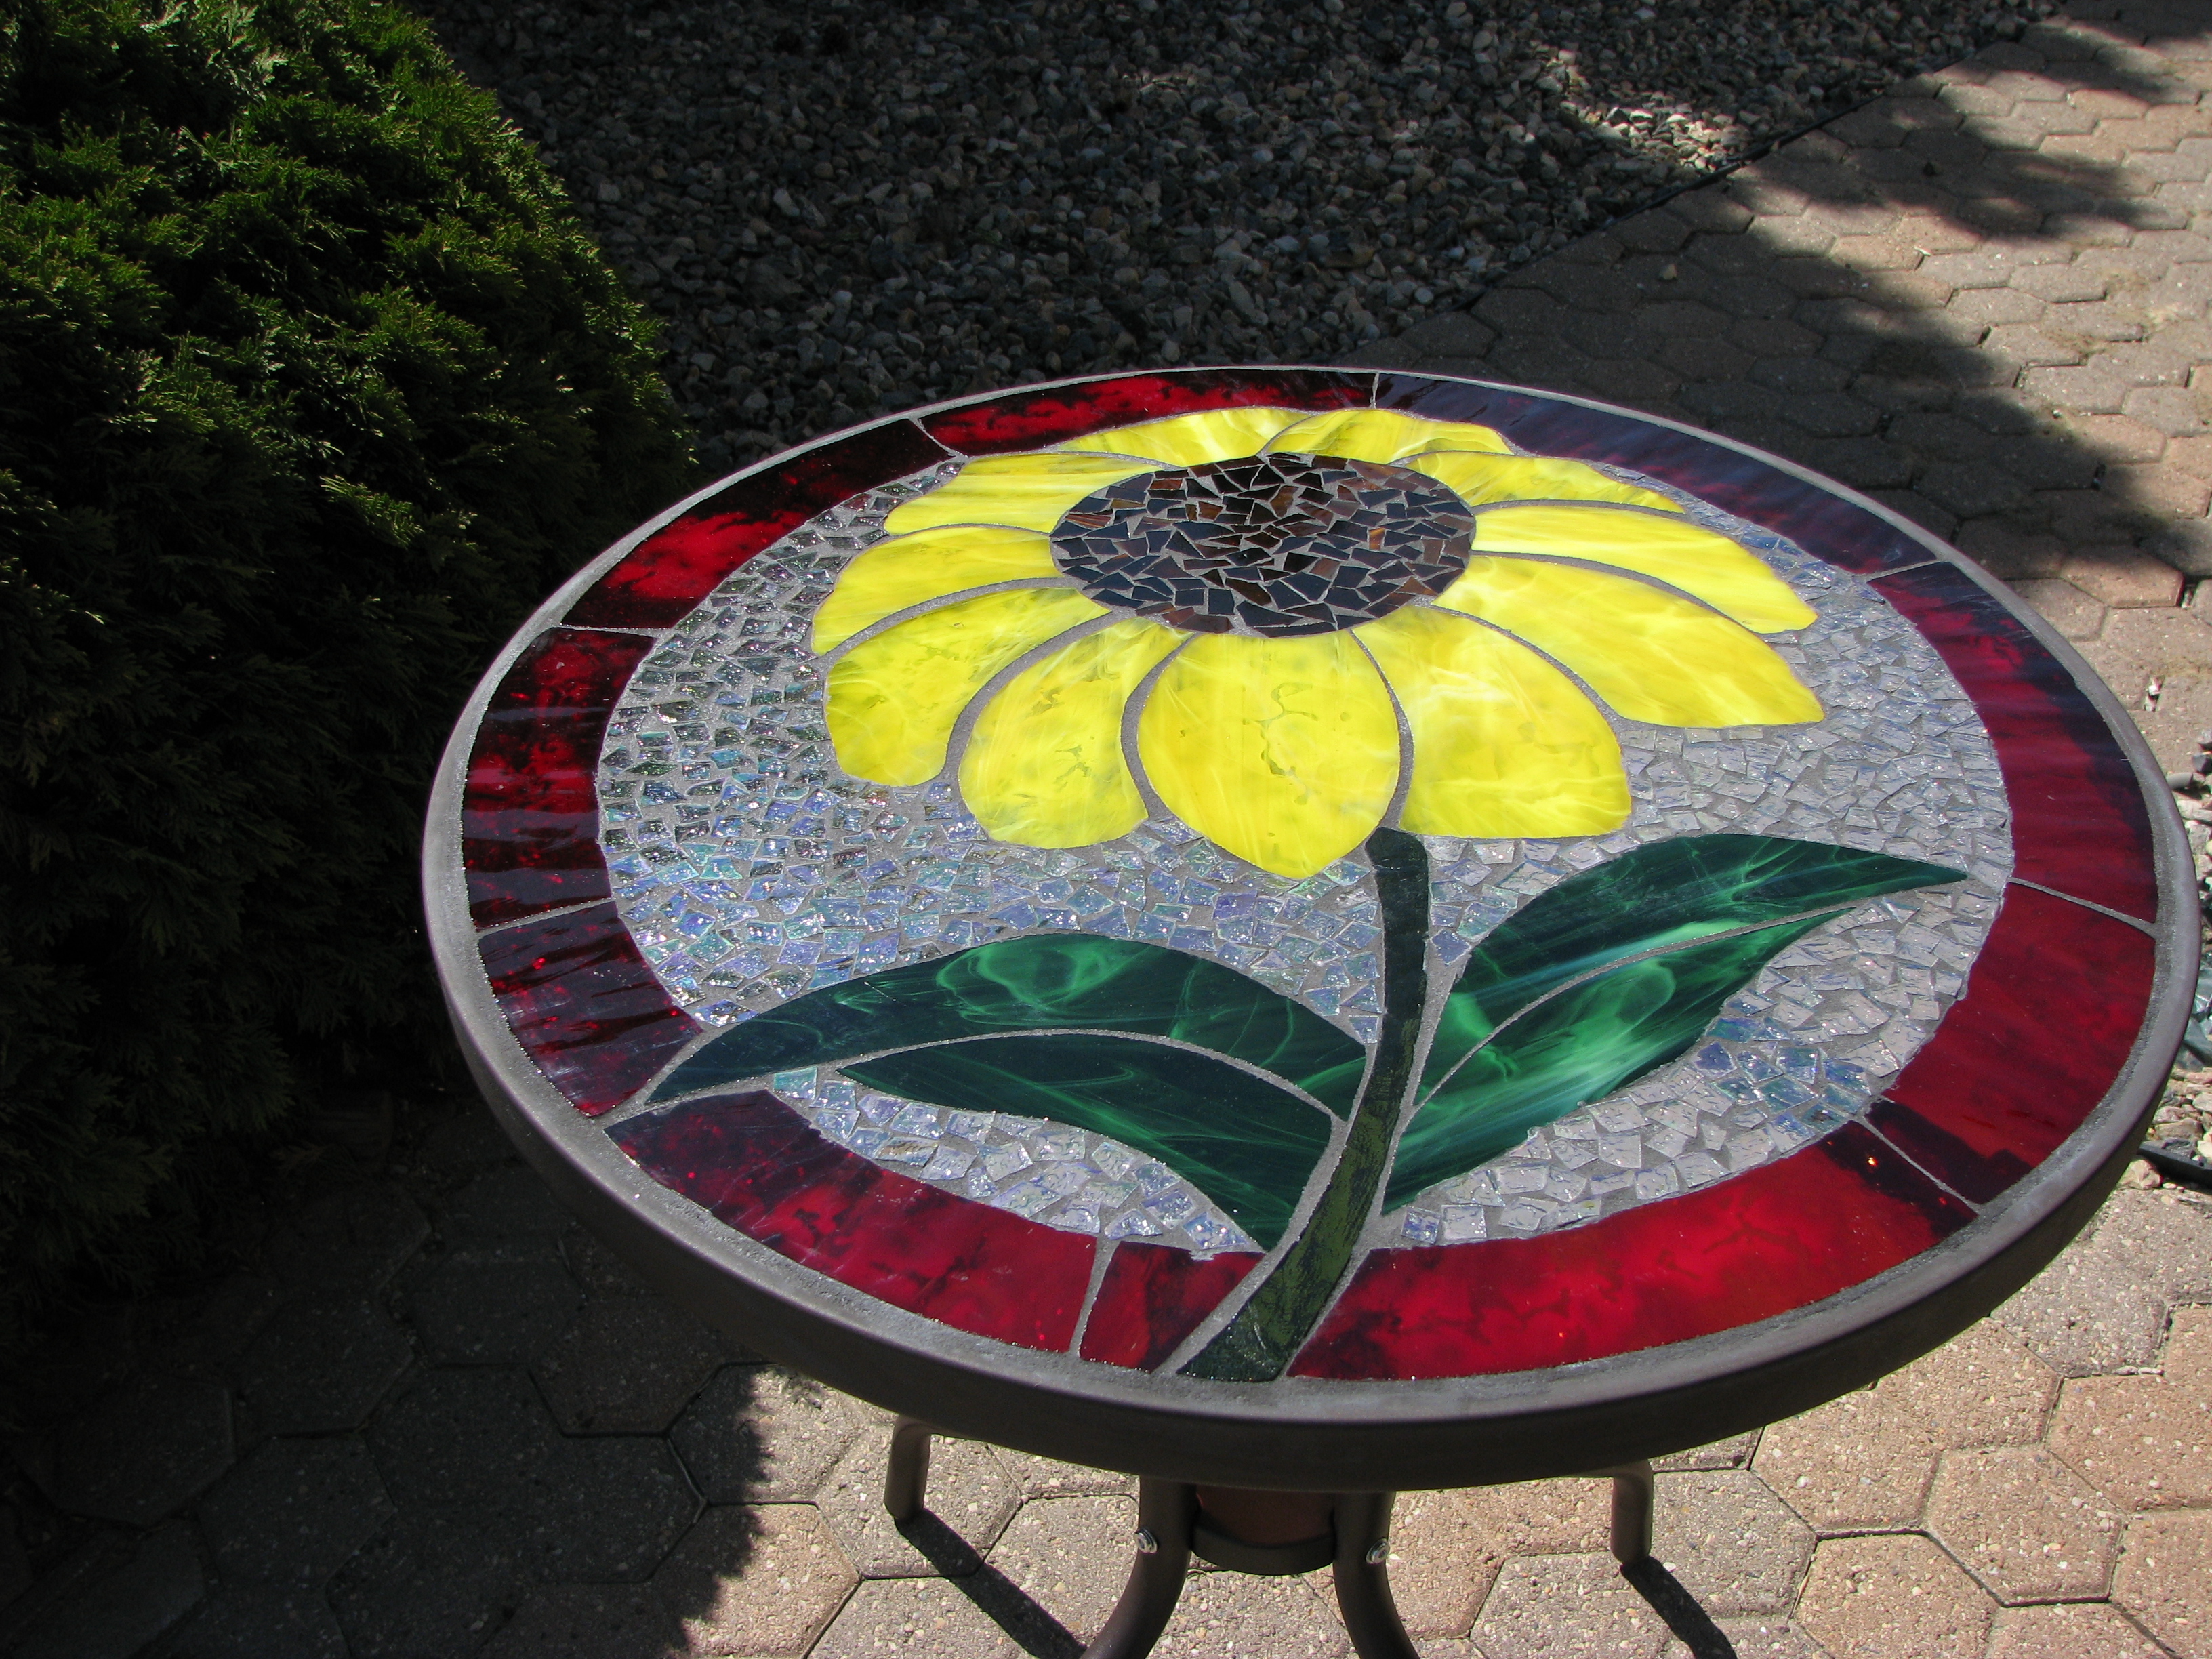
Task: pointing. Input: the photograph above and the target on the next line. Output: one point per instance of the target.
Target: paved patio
(445, 1422)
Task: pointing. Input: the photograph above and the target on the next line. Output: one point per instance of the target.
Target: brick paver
(445, 1421)
(1982, 299)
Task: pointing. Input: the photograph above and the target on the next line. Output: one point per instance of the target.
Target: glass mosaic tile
(1225, 835)
(786, 847)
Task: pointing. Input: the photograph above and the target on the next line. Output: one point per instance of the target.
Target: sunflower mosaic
(1289, 630)
(1279, 835)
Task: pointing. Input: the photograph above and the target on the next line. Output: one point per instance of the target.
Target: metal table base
(1273, 1533)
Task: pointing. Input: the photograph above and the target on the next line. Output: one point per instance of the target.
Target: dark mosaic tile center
(1279, 544)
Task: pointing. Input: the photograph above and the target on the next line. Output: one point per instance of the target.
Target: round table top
(1314, 928)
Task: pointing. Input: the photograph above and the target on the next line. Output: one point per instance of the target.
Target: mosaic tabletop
(1280, 882)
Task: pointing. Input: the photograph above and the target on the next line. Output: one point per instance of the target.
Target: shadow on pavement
(996, 1595)
(1981, 300)
(1691, 1624)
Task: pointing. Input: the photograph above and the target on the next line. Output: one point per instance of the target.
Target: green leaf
(1613, 973)
(1656, 898)
(1043, 981)
(1245, 1144)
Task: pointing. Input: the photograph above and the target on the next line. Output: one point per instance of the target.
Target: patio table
(1309, 932)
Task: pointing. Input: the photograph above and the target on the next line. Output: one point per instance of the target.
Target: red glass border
(679, 564)
(1749, 1248)
(2080, 823)
(1029, 420)
(1153, 1297)
(530, 811)
(581, 1001)
(2048, 1017)
(765, 1171)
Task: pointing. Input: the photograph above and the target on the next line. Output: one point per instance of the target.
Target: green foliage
(310, 386)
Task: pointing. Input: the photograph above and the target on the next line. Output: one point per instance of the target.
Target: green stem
(1273, 1324)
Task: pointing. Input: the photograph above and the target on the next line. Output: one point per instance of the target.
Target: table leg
(1362, 1571)
(906, 1480)
(1166, 1510)
(1635, 1489)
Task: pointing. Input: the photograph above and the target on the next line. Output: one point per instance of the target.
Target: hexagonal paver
(2025, 1525)
(598, 1269)
(587, 1621)
(2083, 1629)
(1232, 1615)
(1071, 1556)
(2124, 578)
(251, 1621)
(1757, 1639)
(1730, 1454)
(757, 1434)
(627, 1364)
(502, 1305)
(2101, 1305)
(153, 1585)
(293, 1511)
(2164, 1580)
(468, 1438)
(2073, 612)
(606, 1508)
(1047, 1477)
(218, 1329)
(433, 1582)
(349, 1241)
(970, 1493)
(756, 1579)
(914, 1619)
(1566, 1606)
(320, 1365)
(2146, 1442)
(1983, 1388)
(143, 1452)
(506, 1203)
(1445, 1555)
(1860, 1461)
(1881, 1598)
(1731, 1542)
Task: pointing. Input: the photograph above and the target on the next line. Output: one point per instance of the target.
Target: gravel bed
(845, 208)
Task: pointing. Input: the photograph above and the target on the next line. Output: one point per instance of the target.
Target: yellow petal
(1676, 551)
(1044, 766)
(1024, 492)
(1380, 434)
(1216, 434)
(1284, 751)
(1479, 478)
(894, 700)
(908, 570)
(1504, 743)
(1653, 655)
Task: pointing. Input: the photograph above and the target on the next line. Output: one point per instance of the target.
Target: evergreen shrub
(311, 386)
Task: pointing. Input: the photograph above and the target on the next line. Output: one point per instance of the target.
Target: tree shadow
(865, 208)
(1981, 300)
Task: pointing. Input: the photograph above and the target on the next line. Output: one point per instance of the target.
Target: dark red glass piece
(764, 1170)
(1818, 521)
(2080, 824)
(1029, 420)
(1153, 1297)
(529, 809)
(679, 564)
(2051, 1012)
(1759, 1244)
(584, 1006)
